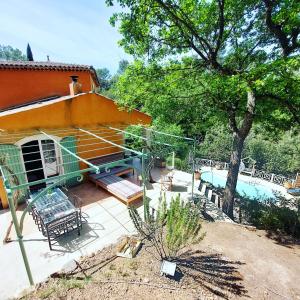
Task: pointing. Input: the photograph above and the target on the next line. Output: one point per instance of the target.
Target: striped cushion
(120, 186)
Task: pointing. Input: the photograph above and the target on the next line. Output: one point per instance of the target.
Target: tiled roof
(48, 65)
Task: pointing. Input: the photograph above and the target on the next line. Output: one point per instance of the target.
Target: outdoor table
(56, 214)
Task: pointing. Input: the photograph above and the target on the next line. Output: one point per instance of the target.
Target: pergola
(90, 141)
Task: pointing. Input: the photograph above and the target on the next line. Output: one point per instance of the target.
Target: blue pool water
(249, 189)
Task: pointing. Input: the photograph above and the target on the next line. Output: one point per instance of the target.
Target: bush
(217, 144)
(169, 229)
(180, 164)
(271, 216)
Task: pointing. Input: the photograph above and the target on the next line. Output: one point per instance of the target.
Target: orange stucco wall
(22, 86)
(81, 110)
(85, 111)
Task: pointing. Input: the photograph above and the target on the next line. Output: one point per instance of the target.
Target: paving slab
(106, 221)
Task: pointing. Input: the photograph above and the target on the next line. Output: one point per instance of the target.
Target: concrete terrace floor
(107, 220)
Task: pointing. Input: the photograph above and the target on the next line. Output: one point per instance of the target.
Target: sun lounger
(166, 183)
(119, 187)
(297, 182)
(295, 189)
(209, 195)
(203, 190)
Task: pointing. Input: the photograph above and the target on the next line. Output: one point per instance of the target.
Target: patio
(106, 219)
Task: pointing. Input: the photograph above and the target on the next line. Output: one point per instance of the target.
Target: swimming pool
(248, 188)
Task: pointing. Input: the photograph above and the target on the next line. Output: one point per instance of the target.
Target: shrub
(169, 229)
(180, 164)
(217, 144)
(270, 216)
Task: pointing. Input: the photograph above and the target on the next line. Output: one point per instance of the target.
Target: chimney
(75, 86)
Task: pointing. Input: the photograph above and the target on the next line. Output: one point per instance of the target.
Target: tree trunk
(232, 176)
(239, 136)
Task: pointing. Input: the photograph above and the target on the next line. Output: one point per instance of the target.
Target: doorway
(40, 158)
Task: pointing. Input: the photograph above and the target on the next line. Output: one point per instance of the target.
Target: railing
(275, 178)
(199, 162)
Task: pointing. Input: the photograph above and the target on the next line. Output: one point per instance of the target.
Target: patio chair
(166, 183)
(35, 216)
(77, 202)
(60, 227)
(203, 190)
(209, 195)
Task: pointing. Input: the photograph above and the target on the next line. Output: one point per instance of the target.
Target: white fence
(199, 162)
(278, 179)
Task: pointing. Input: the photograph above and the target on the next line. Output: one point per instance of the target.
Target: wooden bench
(119, 187)
(109, 179)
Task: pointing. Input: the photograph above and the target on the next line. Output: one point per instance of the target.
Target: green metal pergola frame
(57, 180)
(60, 178)
(190, 140)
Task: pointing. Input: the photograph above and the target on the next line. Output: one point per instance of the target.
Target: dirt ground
(232, 262)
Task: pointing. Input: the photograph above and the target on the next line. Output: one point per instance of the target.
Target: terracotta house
(41, 104)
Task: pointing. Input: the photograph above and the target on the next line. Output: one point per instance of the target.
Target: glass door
(49, 154)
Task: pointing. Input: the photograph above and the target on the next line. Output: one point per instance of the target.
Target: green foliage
(242, 65)
(10, 53)
(107, 81)
(182, 226)
(169, 229)
(169, 94)
(29, 53)
(123, 64)
(132, 137)
(217, 144)
(278, 153)
(159, 145)
(104, 78)
(272, 216)
(231, 54)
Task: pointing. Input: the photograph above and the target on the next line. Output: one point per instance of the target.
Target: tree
(10, 53)
(104, 77)
(123, 64)
(107, 80)
(29, 53)
(240, 52)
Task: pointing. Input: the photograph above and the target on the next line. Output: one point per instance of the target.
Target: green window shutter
(70, 163)
(11, 157)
